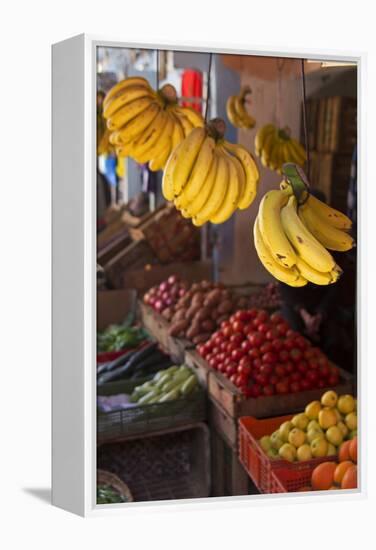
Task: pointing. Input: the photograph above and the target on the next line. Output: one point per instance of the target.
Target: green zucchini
(188, 385)
(147, 398)
(170, 396)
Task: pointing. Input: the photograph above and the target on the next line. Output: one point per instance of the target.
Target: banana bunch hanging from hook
(275, 147)
(145, 124)
(236, 109)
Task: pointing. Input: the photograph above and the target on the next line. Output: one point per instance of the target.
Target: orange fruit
(353, 449)
(344, 451)
(350, 479)
(323, 476)
(341, 470)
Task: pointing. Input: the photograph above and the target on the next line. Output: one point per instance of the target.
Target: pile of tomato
(262, 355)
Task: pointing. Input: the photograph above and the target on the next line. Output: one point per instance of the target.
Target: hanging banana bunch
(236, 111)
(208, 178)
(276, 147)
(146, 124)
(294, 232)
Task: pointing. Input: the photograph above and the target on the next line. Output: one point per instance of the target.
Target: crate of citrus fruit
(292, 446)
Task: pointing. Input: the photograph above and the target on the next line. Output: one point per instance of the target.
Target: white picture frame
(74, 273)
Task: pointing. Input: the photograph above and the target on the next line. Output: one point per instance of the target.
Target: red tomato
(227, 331)
(277, 344)
(289, 343)
(276, 318)
(256, 339)
(267, 370)
(237, 338)
(262, 315)
(333, 380)
(312, 376)
(257, 363)
(213, 362)
(264, 328)
(241, 380)
(231, 347)
(313, 364)
(248, 329)
(273, 379)
(290, 367)
(324, 371)
(242, 315)
(268, 389)
(233, 378)
(266, 347)
(245, 369)
(301, 342)
(225, 324)
(231, 369)
(272, 334)
(237, 354)
(246, 391)
(309, 354)
(296, 355)
(302, 366)
(280, 370)
(223, 346)
(283, 356)
(321, 384)
(295, 387)
(245, 361)
(269, 357)
(227, 359)
(222, 367)
(255, 390)
(262, 379)
(254, 353)
(252, 313)
(216, 350)
(282, 387)
(282, 328)
(305, 384)
(217, 341)
(246, 346)
(292, 333)
(201, 349)
(237, 326)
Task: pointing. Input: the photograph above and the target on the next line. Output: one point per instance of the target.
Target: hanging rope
(280, 64)
(157, 70)
(305, 116)
(208, 88)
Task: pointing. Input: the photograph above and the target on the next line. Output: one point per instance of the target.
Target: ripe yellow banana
(198, 202)
(333, 217)
(289, 276)
(299, 149)
(231, 113)
(308, 248)
(272, 230)
(185, 123)
(163, 144)
(149, 138)
(194, 117)
(267, 147)
(293, 153)
(159, 161)
(125, 99)
(199, 172)
(239, 170)
(177, 132)
(312, 275)
(261, 135)
(123, 85)
(184, 157)
(119, 119)
(251, 173)
(138, 124)
(230, 201)
(329, 236)
(219, 191)
(247, 120)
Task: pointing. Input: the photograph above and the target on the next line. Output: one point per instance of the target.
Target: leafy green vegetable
(118, 337)
(108, 495)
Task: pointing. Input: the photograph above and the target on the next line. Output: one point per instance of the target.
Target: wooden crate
(113, 247)
(135, 255)
(201, 367)
(235, 404)
(224, 424)
(158, 327)
(229, 478)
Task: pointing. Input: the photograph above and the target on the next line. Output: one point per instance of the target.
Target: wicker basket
(107, 478)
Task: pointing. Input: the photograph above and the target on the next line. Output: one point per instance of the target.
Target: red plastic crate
(262, 469)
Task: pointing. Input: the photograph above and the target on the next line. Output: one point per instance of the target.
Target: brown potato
(178, 327)
(225, 307)
(208, 325)
(192, 311)
(200, 338)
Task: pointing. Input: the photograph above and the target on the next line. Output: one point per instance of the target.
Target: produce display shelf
(222, 391)
(149, 418)
(158, 328)
(171, 464)
(262, 469)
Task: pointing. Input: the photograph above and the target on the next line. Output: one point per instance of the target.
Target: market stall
(226, 341)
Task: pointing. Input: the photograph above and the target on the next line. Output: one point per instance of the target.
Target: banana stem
(216, 128)
(296, 178)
